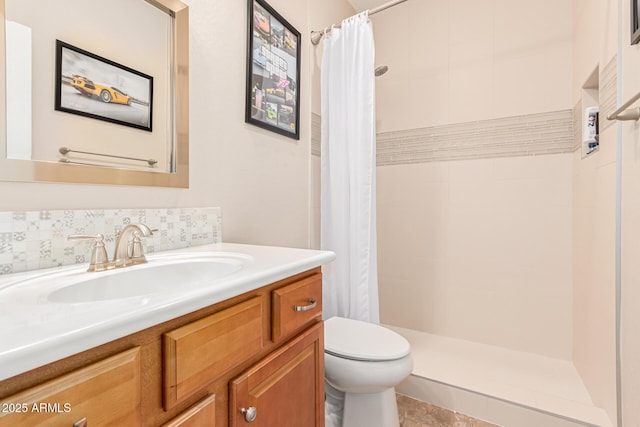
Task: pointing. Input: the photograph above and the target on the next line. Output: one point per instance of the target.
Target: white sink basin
(47, 315)
(168, 275)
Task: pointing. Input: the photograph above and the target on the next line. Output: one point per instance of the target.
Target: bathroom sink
(158, 276)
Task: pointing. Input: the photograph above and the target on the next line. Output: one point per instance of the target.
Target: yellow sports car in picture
(105, 93)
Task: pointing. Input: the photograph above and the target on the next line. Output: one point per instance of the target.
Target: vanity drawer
(197, 354)
(296, 306)
(106, 393)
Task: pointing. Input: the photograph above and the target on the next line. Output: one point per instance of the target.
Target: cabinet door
(286, 388)
(202, 414)
(106, 393)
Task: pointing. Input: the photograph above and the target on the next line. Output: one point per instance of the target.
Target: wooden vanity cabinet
(285, 383)
(261, 349)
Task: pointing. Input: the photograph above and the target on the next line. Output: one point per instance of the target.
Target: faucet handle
(137, 250)
(99, 258)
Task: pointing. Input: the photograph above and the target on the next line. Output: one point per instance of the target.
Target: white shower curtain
(348, 162)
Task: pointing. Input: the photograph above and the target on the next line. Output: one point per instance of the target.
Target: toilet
(363, 363)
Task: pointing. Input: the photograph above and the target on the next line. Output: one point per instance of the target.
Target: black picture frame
(92, 86)
(635, 22)
(273, 87)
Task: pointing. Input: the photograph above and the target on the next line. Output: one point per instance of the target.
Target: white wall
(476, 249)
(260, 179)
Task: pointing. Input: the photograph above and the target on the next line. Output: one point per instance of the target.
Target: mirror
(95, 92)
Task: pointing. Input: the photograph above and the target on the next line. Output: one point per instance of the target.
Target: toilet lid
(358, 340)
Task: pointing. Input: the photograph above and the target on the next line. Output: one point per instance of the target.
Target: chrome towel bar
(65, 150)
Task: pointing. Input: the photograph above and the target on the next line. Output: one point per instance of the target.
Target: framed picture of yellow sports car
(273, 71)
(92, 86)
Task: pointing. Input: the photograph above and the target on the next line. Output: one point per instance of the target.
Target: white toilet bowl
(363, 363)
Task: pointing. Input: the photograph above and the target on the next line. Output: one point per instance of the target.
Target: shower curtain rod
(316, 36)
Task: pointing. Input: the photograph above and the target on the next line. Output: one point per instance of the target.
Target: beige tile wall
(477, 248)
(463, 61)
(630, 268)
(595, 37)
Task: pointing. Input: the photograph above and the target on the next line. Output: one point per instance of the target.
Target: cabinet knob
(250, 414)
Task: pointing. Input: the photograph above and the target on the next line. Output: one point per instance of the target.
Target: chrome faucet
(128, 249)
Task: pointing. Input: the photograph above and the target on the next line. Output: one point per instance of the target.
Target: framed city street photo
(273, 71)
(95, 87)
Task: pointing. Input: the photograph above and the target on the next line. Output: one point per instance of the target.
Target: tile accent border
(608, 92)
(31, 240)
(552, 132)
(526, 135)
(316, 134)
(577, 126)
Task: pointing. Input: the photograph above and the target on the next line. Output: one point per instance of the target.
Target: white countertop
(35, 331)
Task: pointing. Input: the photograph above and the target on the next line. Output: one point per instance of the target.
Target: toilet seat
(358, 340)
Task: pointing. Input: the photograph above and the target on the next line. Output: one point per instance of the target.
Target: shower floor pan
(500, 386)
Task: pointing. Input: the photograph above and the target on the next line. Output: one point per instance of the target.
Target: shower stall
(506, 255)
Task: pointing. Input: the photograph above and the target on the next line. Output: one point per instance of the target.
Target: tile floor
(414, 413)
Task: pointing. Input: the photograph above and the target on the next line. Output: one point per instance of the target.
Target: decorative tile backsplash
(31, 240)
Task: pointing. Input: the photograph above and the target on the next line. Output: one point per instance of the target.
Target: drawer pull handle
(249, 414)
(311, 306)
(81, 423)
